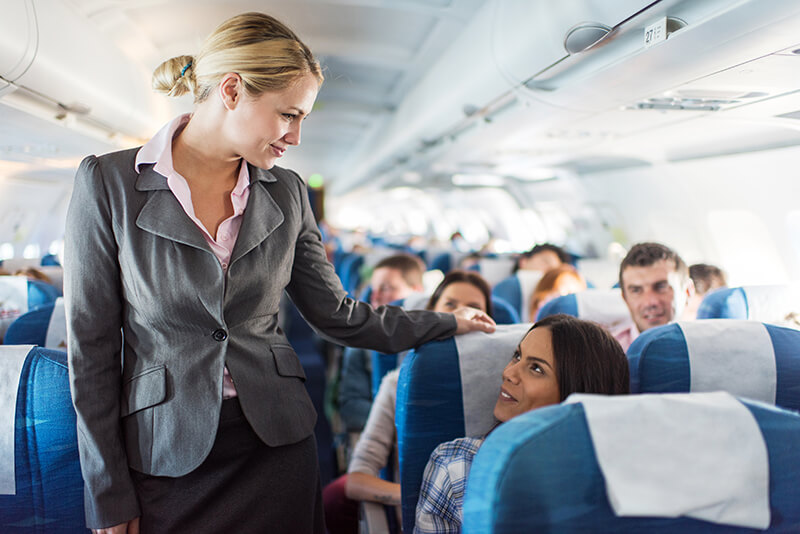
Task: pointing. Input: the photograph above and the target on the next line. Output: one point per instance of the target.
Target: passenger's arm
(131, 527)
(92, 288)
(364, 487)
(355, 389)
(374, 448)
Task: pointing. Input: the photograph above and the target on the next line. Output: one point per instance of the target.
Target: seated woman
(378, 442)
(562, 280)
(559, 355)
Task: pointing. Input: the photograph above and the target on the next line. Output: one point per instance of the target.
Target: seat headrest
(540, 472)
(603, 306)
(769, 303)
(746, 358)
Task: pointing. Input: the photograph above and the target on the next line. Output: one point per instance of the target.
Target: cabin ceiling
(417, 90)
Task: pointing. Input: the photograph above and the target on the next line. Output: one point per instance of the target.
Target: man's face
(654, 294)
(388, 285)
(541, 261)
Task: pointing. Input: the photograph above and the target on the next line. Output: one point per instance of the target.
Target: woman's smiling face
(529, 379)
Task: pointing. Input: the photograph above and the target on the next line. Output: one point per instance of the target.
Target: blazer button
(220, 335)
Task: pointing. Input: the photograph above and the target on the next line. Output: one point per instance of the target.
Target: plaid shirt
(441, 498)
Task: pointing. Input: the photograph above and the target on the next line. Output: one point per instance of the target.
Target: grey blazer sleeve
(317, 291)
(94, 319)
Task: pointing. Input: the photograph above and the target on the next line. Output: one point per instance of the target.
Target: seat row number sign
(655, 33)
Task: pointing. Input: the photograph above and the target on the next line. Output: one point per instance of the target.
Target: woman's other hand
(471, 319)
(131, 527)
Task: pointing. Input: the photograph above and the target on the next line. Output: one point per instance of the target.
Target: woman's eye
(516, 357)
(289, 116)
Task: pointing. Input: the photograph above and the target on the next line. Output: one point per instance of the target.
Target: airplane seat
(50, 260)
(503, 312)
(767, 303)
(517, 290)
(350, 274)
(447, 389)
(45, 325)
(42, 487)
(637, 468)
(494, 268)
(603, 306)
(304, 341)
(748, 359)
(442, 262)
(41, 293)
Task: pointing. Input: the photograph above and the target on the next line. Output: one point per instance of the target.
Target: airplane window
(746, 248)
(31, 251)
(6, 251)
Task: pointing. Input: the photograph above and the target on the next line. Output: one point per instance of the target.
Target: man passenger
(656, 287)
(543, 258)
(705, 278)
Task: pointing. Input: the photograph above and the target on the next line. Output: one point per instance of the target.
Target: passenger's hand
(471, 319)
(131, 527)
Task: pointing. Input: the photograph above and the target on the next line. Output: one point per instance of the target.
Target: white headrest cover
(12, 358)
(734, 356)
(482, 358)
(604, 306)
(57, 329)
(527, 283)
(670, 455)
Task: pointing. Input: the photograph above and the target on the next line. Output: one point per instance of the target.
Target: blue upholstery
(539, 473)
(430, 401)
(442, 404)
(724, 303)
(503, 312)
(49, 496)
(41, 293)
(509, 290)
(565, 304)
(30, 328)
(659, 362)
(49, 260)
(770, 303)
(442, 261)
(350, 273)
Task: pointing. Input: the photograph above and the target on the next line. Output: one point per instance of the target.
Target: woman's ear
(230, 90)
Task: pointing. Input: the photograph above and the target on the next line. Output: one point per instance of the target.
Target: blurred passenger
(656, 287)
(393, 278)
(542, 258)
(559, 355)
(32, 273)
(563, 280)
(705, 278)
(378, 443)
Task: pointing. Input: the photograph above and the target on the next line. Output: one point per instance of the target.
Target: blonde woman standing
(177, 253)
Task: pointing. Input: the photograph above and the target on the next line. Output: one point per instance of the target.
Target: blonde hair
(265, 54)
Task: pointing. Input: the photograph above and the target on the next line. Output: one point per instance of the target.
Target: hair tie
(184, 68)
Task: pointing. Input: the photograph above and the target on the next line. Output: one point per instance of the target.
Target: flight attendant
(192, 413)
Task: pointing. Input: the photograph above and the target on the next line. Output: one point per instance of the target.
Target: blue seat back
(30, 328)
(503, 312)
(745, 358)
(350, 272)
(431, 403)
(442, 262)
(41, 293)
(49, 486)
(769, 304)
(539, 473)
(517, 290)
(603, 306)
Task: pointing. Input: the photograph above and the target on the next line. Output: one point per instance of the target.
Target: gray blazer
(152, 320)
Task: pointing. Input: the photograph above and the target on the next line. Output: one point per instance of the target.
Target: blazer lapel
(163, 215)
(262, 215)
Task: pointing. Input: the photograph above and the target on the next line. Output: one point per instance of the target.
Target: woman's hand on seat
(471, 319)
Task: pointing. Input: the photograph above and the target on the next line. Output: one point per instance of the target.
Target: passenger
(563, 280)
(559, 355)
(542, 258)
(378, 443)
(32, 273)
(705, 278)
(393, 278)
(182, 248)
(656, 287)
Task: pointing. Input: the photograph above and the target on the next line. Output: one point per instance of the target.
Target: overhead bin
(56, 62)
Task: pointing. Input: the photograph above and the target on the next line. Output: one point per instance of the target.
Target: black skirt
(243, 486)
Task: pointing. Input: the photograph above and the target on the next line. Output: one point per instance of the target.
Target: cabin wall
(739, 211)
